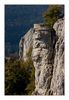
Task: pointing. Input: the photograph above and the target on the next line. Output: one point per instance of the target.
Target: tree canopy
(53, 13)
(19, 77)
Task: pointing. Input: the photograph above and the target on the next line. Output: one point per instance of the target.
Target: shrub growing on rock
(53, 13)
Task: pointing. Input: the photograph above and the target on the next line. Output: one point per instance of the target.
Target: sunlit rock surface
(24, 44)
(47, 55)
(42, 55)
(48, 58)
(57, 83)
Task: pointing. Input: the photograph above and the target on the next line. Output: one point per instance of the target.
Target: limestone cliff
(57, 83)
(24, 44)
(48, 58)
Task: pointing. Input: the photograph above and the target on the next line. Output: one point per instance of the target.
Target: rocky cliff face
(48, 59)
(47, 56)
(24, 44)
(57, 82)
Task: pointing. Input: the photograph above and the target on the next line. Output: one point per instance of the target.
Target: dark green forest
(19, 76)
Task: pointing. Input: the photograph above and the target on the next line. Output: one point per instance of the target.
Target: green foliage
(19, 77)
(53, 13)
(29, 53)
(30, 87)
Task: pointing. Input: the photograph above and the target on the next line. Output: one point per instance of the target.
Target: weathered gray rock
(21, 43)
(42, 58)
(48, 58)
(24, 44)
(57, 83)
